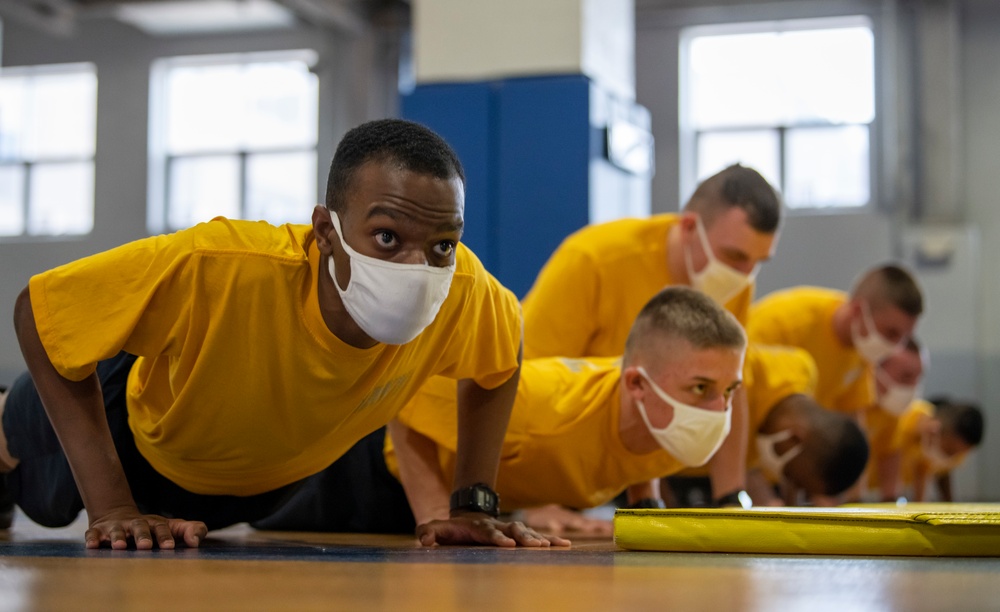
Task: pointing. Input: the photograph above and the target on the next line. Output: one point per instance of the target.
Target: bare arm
(727, 467)
(944, 486)
(920, 476)
(483, 415)
(426, 488)
(76, 410)
(888, 475)
(643, 490)
(761, 491)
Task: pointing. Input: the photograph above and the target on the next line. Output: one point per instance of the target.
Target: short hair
(962, 418)
(687, 314)
(742, 187)
(890, 284)
(408, 145)
(841, 450)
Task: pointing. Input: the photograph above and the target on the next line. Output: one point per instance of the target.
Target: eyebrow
(397, 215)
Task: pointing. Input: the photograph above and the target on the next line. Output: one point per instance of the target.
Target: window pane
(203, 109)
(827, 167)
(62, 199)
(830, 75)
(228, 107)
(281, 104)
(782, 77)
(11, 200)
(63, 115)
(201, 188)
(758, 149)
(734, 80)
(13, 117)
(281, 188)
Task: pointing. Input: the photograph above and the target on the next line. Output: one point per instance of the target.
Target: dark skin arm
(943, 482)
(483, 415)
(76, 410)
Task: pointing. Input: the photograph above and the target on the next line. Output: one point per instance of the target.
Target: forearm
(888, 476)
(761, 491)
(420, 472)
(643, 490)
(76, 410)
(483, 416)
(727, 467)
(944, 486)
(920, 476)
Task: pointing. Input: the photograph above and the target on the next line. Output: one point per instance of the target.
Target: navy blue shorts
(43, 485)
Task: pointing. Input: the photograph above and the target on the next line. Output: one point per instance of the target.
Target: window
(47, 133)
(793, 99)
(233, 136)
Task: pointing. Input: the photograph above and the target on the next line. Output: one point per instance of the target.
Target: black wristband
(654, 503)
(476, 498)
(737, 499)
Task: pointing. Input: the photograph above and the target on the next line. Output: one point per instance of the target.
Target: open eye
(699, 389)
(386, 239)
(445, 248)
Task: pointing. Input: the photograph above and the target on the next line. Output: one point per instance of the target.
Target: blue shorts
(43, 486)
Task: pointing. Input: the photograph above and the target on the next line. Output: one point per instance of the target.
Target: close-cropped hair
(684, 313)
(738, 187)
(405, 144)
(963, 418)
(890, 284)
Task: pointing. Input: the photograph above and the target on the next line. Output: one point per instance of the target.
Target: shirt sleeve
(121, 299)
(486, 336)
(860, 395)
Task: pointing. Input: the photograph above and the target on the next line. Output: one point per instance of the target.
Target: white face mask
(896, 398)
(772, 463)
(694, 434)
(874, 347)
(391, 302)
(716, 280)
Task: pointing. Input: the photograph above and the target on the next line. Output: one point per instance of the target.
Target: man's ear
(689, 221)
(632, 382)
(322, 228)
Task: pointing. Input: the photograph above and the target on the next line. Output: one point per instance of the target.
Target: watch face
(477, 498)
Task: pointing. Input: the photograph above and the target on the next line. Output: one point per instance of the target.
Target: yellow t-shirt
(240, 387)
(880, 429)
(770, 374)
(908, 441)
(562, 445)
(803, 317)
(588, 294)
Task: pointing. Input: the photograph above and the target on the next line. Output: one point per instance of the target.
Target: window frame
(881, 162)
(161, 160)
(29, 164)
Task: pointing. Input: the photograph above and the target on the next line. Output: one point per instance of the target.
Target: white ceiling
(185, 17)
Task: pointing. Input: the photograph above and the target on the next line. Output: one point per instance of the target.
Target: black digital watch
(476, 498)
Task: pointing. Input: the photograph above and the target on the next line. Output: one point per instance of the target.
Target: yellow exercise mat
(945, 530)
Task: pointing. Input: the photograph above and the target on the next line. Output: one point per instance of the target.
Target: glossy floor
(243, 569)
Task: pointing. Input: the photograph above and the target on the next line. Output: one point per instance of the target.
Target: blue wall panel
(526, 146)
(544, 155)
(463, 114)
